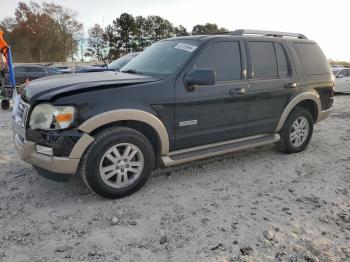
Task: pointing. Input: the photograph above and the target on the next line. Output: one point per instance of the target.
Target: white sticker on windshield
(186, 47)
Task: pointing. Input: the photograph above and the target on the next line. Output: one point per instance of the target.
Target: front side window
(224, 58)
(264, 60)
(163, 58)
(344, 72)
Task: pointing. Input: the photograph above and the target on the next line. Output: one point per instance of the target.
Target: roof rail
(241, 32)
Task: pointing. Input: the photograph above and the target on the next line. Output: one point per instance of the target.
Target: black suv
(180, 100)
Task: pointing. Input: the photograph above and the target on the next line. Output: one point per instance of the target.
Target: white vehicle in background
(342, 80)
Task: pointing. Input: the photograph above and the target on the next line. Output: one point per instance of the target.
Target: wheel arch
(143, 121)
(308, 100)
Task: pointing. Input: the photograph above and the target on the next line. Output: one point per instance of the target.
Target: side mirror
(340, 76)
(200, 77)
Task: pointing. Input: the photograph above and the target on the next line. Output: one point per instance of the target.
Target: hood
(48, 87)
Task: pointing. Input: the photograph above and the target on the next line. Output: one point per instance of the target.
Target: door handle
(237, 91)
(290, 85)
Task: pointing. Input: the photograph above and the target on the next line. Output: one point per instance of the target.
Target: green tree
(97, 46)
(158, 28)
(207, 29)
(112, 39)
(128, 34)
(125, 29)
(141, 33)
(180, 31)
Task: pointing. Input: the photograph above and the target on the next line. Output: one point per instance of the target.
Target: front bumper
(26, 147)
(59, 165)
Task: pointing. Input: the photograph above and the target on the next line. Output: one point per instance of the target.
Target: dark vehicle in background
(32, 72)
(180, 100)
(122, 61)
(114, 66)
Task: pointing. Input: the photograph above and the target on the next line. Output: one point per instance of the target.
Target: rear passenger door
(212, 113)
(272, 82)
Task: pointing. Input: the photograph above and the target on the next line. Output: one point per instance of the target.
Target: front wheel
(118, 162)
(5, 104)
(296, 131)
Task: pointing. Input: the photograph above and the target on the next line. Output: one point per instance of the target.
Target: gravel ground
(255, 205)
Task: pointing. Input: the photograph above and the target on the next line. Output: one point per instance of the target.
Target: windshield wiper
(132, 71)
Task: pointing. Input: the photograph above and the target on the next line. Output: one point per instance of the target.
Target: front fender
(129, 114)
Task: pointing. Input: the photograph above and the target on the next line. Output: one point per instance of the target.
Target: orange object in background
(3, 51)
(3, 45)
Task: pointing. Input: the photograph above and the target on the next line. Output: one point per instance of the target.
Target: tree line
(133, 34)
(49, 32)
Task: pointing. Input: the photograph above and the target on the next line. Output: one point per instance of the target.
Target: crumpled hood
(50, 86)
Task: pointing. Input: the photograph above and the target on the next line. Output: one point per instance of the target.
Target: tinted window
(36, 70)
(21, 69)
(263, 59)
(282, 63)
(223, 57)
(312, 59)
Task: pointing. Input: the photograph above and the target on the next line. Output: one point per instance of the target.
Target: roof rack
(241, 32)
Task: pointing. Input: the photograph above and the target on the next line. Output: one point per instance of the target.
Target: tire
(5, 104)
(289, 142)
(105, 157)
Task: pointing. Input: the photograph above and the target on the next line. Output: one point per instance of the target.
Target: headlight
(48, 117)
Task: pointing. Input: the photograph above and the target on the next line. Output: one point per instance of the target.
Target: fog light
(44, 150)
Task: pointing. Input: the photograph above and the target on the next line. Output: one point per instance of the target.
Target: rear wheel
(296, 132)
(118, 162)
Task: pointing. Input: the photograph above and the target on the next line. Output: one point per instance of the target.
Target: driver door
(213, 113)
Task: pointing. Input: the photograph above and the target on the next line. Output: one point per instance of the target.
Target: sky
(326, 22)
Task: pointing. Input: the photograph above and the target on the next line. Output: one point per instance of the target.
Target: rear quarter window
(312, 59)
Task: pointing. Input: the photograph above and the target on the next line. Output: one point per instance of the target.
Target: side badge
(188, 123)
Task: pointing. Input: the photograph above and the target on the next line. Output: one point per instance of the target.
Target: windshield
(165, 57)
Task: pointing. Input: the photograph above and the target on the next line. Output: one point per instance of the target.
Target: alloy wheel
(121, 165)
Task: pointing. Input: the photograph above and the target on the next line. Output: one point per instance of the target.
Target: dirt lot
(256, 205)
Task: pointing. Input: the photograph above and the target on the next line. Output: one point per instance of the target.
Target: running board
(201, 152)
